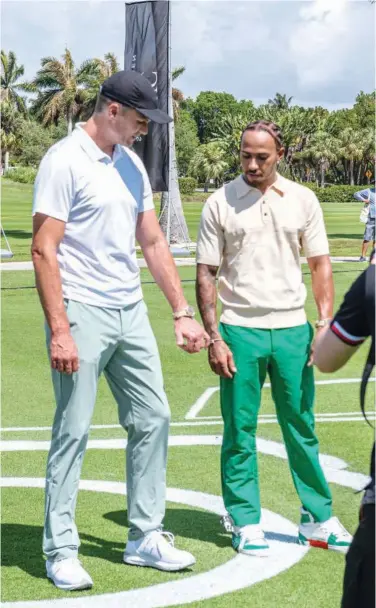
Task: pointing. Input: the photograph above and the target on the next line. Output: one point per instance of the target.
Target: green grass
(20, 305)
(342, 221)
(27, 400)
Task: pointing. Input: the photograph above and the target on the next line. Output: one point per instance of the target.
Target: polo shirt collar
(242, 188)
(92, 150)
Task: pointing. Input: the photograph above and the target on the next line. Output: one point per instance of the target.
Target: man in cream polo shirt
(92, 198)
(249, 239)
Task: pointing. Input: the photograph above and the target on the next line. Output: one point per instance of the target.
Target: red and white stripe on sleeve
(344, 335)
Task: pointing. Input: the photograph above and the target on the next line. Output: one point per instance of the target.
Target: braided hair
(269, 127)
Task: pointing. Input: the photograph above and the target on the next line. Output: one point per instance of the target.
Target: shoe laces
(167, 536)
(68, 561)
(251, 532)
(334, 526)
(228, 523)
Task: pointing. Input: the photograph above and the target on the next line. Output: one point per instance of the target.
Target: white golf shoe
(156, 550)
(329, 534)
(68, 574)
(250, 540)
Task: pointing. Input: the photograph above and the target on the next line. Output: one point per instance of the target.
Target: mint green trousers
(283, 353)
(121, 344)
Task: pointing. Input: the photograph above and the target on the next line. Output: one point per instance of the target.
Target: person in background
(249, 236)
(353, 323)
(367, 197)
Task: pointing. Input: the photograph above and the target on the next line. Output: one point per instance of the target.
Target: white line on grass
(235, 574)
(204, 398)
(319, 415)
(201, 401)
(229, 577)
(331, 464)
(16, 429)
(215, 420)
(206, 421)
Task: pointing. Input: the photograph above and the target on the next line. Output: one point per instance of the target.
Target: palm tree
(281, 102)
(93, 73)
(9, 132)
(297, 126)
(323, 149)
(60, 90)
(209, 163)
(177, 95)
(351, 148)
(10, 74)
(229, 134)
(368, 139)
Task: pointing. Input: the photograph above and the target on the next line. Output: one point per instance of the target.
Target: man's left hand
(320, 331)
(190, 336)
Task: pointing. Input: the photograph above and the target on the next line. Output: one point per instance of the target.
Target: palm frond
(176, 72)
(10, 73)
(112, 62)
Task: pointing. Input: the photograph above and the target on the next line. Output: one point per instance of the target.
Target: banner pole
(170, 127)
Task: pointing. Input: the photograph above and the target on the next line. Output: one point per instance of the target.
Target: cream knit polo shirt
(254, 238)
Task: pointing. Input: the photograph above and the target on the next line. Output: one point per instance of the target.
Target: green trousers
(283, 353)
(121, 344)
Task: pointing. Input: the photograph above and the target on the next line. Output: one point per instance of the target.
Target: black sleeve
(350, 324)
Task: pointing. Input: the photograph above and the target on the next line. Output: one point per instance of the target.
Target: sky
(320, 52)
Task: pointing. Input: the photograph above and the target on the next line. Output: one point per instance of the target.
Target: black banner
(146, 51)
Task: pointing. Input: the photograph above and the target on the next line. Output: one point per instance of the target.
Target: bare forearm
(162, 266)
(323, 288)
(206, 294)
(331, 353)
(48, 282)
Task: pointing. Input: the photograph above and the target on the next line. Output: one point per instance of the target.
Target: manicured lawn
(27, 402)
(342, 221)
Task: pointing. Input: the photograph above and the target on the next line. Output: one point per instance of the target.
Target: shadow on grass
(21, 547)
(22, 544)
(345, 236)
(197, 525)
(19, 234)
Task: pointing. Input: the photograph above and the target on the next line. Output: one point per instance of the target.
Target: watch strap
(188, 311)
(322, 323)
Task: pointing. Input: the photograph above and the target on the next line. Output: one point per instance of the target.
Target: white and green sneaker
(328, 534)
(250, 540)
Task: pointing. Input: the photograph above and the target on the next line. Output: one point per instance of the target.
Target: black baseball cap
(132, 89)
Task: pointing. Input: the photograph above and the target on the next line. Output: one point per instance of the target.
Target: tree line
(335, 147)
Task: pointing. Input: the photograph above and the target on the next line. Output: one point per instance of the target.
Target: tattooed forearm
(206, 295)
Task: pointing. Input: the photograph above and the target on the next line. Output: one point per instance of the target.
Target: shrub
(196, 197)
(187, 185)
(23, 175)
(335, 194)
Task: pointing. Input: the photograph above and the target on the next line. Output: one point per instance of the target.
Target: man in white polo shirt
(92, 197)
(250, 237)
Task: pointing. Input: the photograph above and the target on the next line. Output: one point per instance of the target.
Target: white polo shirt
(99, 198)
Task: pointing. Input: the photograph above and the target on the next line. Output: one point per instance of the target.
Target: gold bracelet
(322, 323)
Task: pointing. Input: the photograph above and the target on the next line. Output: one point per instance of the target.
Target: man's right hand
(221, 360)
(64, 353)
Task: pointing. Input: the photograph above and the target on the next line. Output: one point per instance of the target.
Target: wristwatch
(188, 311)
(322, 323)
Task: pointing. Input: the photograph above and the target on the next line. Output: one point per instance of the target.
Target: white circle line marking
(240, 572)
(333, 467)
